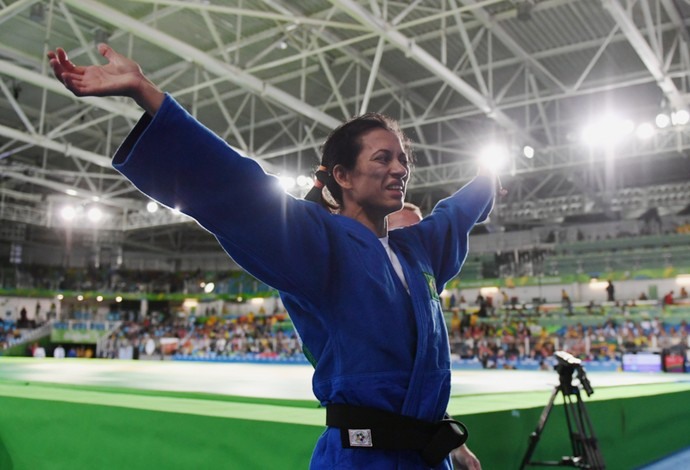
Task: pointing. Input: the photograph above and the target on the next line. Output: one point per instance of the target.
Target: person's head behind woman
(343, 147)
(409, 215)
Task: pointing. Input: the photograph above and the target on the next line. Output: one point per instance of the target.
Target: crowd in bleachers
(481, 332)
(9, 333)
(518, 339)
(14, 331)
(508, 338)
(247, 336)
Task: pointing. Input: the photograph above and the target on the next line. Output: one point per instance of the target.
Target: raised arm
(174, 159)
(121, 76)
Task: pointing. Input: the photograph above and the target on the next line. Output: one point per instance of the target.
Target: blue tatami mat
(677, 461)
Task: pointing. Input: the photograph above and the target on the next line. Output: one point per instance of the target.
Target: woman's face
(378, 182)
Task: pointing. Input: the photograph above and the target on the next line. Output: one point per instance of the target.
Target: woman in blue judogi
(364, 300)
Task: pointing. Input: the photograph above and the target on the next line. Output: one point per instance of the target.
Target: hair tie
(320, 177)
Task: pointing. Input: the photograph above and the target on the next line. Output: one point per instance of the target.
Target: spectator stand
(518, 339)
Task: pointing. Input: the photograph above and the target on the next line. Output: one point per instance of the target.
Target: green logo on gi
(431, 284)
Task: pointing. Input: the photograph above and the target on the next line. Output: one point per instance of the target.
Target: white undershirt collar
(394, 261)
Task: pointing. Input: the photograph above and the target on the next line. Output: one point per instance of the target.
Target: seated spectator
(59, 352)
(455, 324)
(667, 300)
(39, 351)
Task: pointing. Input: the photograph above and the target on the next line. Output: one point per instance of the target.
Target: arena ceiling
(272, 77)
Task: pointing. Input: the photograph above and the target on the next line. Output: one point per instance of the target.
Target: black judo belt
(369, 428)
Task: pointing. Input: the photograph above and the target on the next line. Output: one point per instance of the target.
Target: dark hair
(342, 147)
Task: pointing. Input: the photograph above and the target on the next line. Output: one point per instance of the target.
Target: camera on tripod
(566, 365)
(586, 453)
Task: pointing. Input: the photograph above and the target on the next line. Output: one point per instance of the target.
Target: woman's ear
(341, 175)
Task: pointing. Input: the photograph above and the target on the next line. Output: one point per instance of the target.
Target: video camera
(566, 365)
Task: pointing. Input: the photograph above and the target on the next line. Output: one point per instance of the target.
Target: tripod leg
(590, 443)
(575, 425)
(534, 437)
(585, 449)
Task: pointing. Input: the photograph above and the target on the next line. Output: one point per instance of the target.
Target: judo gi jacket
(371, 342)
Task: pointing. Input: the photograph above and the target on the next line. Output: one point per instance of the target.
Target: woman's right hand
(121, 76)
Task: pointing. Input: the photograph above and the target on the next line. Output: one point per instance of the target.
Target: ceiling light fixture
(37, 12)
(524, 10)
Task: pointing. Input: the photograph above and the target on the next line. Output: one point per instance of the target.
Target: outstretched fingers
(66, 71)
(58, 59)
(121, 76)
(55, 64)
(106, 51)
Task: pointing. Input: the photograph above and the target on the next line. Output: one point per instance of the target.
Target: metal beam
(129, 111)
(83, 194)
(15, 8)
(489, 23)
(179, 48)
(66, 149)
(653, 63)
(372, 76)
(433, 65)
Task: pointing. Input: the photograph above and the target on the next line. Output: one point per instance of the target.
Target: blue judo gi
(371, 342)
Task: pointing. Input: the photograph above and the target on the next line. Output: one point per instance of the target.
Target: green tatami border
(186, 403)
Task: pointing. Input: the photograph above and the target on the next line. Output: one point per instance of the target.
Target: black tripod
(586, 452)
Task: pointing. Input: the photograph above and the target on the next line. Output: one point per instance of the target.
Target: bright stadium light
(608, 130)
(680, 118)
(528, 151)
(151, 207)
(662, 120)
(303, 181)
(644, 131)
(95, 214)
(494, 157)
(71, 192)
(208, 288)
(68, 213)
(287, 182)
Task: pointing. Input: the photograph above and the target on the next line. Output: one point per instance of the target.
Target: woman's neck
(378, 225)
